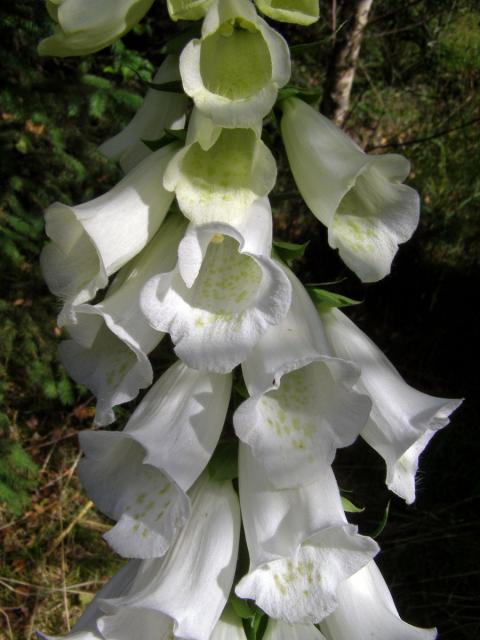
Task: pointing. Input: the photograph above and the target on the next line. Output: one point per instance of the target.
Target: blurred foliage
(416, 92)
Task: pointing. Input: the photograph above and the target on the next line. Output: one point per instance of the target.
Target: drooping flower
(86, 26)
(220, 172)
(158, 598)
(358, 197)
(91, 241)
(403, 420)
(279, 630)
(112, 339)
(366, 611)
(224, 293)
(297, 422)
(139, 476)
(234, 71)
(187, 9)
(296, 11)
(160, 110)
(300, 544)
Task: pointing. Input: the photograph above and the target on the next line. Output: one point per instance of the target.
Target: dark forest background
(416, 92)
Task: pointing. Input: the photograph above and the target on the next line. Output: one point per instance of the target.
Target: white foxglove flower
(112, 339)
(234, 71)
(160, 110)
(358, 197)
(91, 241)
(220, 172)
(303, 406)
(223, 295)
(300, 544)
(139, 476)
(366, 611)
(229, 627)
(187, 9)
(296, 11)
(86, 26)
(403, 420)
(183, 594)
(279, 630)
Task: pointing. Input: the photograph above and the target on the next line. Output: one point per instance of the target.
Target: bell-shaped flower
(279, 630)
(300, 544)
(91, 241)
(160, 110)
(86, 26)
(139, 476)
(224, 293)
(220, 172)
(358, 197)
(403, 420)
(366, 610)
(183, 594)
(112, 339)
(297, 422)
(187, 9)
(234, 71)
(295, 11)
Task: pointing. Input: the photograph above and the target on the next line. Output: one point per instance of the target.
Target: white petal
(278, 630)
(92, 241)
(357, 196)
(86, 26)
(300, 546)
(401, 416)
(149, 507)
(303, 406)
(180, 420)
(366, 611)
(305, 12)
(112, 339)
(187, 9)
(216, 317)
(206, 549)
(229, 627)
(233, 73)
(160, 110)
(219, 181)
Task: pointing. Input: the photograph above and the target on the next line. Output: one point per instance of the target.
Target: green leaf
(224, 465)
(241, 607)
(383, 522)
(177, 43)
(349, 507)
(288, 251)
(307, 95)
(170, 135)
(325, 300)
(175, 86)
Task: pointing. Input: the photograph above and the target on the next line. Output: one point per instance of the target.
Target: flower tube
(139, 476)
(366, 610)
(91, 241)
(297, 422)
(279, 630)
(300, 544)
(403, 420)
(112, 339)
(303, 12)
(158, 598)
(234, 71)
(358, 197)
(223, 295)
(187, 9)
(160, 110)
(86, 26)
(218, 175)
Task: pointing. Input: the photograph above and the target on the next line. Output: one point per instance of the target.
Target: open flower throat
(183, 246)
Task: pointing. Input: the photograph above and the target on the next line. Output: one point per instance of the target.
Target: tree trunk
(343, 62)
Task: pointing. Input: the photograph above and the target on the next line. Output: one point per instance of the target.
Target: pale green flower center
(235, 61)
